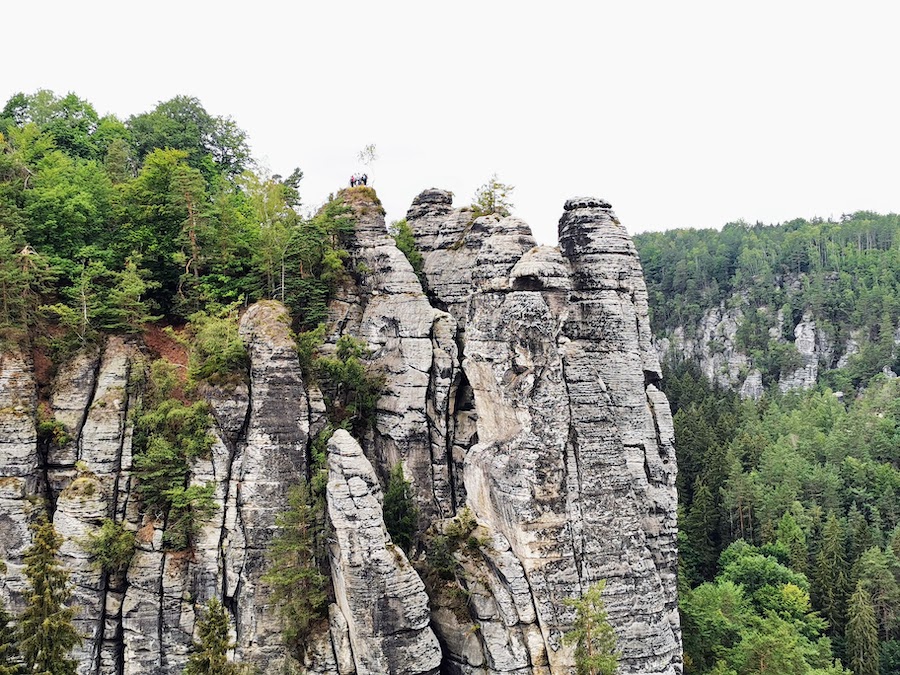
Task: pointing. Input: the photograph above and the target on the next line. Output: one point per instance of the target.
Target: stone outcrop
(520, 399)
(380, 596)
(20, 475)
(573, 470)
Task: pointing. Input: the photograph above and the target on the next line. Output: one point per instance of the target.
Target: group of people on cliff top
(358, 179)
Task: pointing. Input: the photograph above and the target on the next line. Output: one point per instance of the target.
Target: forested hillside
(788, 510)
(843, 277)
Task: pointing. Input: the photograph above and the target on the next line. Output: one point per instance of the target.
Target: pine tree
(298, 585)
(862, 634)
(830, 575)
(400, 512)
(9, 652)
(594, 639)
(46, 629)
(210, 655)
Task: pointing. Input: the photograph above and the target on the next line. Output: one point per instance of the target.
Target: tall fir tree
(830, 576)
(46, 629)
(10, 662)
(702, 529)
(298, 585)
(210, 655)
(862, 634)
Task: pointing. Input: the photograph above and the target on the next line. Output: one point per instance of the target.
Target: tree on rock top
(493, 198)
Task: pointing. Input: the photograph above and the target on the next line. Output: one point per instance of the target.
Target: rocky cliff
(715, 346)
(520, 400)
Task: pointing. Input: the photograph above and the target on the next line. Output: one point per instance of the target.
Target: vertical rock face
(378, 592)
(413, 346)
(573, 470)
(520, 400)
(20, 476)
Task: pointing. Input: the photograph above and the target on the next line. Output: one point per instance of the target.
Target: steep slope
(520, 400)
(572, 468)
(787, 306)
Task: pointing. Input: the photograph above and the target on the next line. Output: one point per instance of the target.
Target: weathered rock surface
(380, 596)
(414, 347)
(20, 476)
(573, 469)
(520, 390)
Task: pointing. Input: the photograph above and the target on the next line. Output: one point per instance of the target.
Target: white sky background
(678, 113)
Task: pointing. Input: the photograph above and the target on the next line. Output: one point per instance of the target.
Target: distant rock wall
(520, 392)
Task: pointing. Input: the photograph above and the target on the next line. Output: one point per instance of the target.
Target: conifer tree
(298, 585)
(791, 536)
(830, 575)
(9, 652)
(400, 512)
(594, 639)
(862, 634)
(210, 655)
(876, 570)
(46, 629)
(702, 527)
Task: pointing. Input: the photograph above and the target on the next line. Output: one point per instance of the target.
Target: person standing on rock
(363, 179)
(353, 180)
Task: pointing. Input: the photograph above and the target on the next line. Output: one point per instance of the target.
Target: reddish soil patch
(163, 345)
(44, 370)
(166, 346)
(145, 534)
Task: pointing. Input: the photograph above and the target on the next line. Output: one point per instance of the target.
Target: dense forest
(843, 275)
(111, 224)
(788, 539)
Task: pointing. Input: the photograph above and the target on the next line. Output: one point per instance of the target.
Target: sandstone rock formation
(520, 401)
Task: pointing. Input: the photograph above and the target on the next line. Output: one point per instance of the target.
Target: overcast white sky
(678, 113)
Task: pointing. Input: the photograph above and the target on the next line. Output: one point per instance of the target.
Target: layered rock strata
(573, 469)
(520, 401)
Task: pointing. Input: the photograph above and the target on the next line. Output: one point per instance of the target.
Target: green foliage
(308, 343)
(493, 198)
(111, 547)
(441, 548)
(210, 653)
(808, 481)
(25, 278)
(595, 642)
(294, 572)
(862, 634)
(214, 145)
(400, 510)
(50, 429)
(352, 389)
(168, 435)
(754, 618)
(314, 262)
(406, 242)
(47, 634)
(217, 353)
(10, 660)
